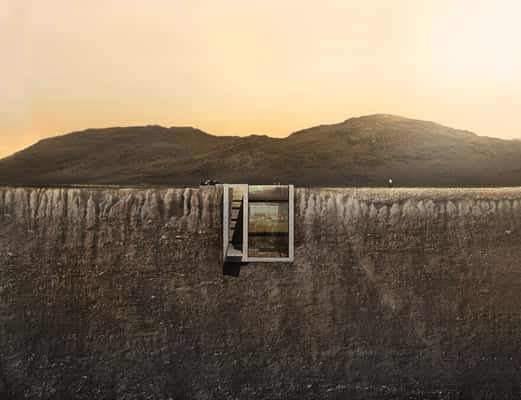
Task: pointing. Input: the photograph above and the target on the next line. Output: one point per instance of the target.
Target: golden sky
(247, 66)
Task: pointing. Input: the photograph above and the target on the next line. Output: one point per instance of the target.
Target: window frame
(245, 224)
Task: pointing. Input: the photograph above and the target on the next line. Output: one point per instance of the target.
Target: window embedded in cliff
(258, 223)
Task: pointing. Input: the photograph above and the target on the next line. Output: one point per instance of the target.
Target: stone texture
(113, 293)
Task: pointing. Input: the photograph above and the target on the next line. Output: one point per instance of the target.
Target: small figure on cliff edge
(390, 182)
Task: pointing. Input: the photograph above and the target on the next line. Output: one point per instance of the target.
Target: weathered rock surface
(110, 293)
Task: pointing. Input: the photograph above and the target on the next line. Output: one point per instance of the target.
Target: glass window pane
(268, 229)
(268, 193)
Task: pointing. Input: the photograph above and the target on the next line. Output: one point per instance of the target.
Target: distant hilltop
(363, 151)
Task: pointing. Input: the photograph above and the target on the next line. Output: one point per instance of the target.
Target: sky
(256, 67)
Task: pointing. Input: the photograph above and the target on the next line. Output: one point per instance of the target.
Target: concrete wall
(110, 293)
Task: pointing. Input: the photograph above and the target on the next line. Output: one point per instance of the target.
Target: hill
(362, 151)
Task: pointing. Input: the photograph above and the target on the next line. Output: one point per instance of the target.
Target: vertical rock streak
(119, 293)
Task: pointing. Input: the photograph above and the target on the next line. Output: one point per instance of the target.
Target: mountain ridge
(360, 151)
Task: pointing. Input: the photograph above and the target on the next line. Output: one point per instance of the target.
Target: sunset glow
(244, 67)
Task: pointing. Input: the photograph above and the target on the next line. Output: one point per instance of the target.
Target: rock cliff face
(112, 293)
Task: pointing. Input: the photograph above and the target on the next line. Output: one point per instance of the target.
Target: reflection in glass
(268, 221)
(268, 193)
